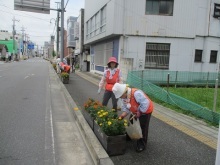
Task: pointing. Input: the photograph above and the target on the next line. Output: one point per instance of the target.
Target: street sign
(36, 6)
(31, 46)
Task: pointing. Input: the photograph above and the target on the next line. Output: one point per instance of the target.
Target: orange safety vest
(65, 67)
(110, 82)
(135, 104)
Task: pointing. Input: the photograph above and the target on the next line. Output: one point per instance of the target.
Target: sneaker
(140, 145)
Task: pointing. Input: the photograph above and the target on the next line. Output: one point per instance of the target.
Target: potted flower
(54, 66)
(110, 130)
(64, 77)
(91, 108)
(107, 126)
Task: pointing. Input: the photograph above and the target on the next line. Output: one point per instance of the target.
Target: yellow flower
(109, 123)
(101, 110)
(100, 124)
(125, 124)
(106, 113)
(119, 118)
(125, 121)
(100, 115)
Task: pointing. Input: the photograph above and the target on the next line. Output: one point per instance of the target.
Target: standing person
(58, 60)
(111, 76)
(72, 65)
(135, 101)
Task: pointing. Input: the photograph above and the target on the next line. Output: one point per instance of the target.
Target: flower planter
(88, 118)
(65, 80)
(114, 145)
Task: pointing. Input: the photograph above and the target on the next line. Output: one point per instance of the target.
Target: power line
(66, 4)
(23, 15)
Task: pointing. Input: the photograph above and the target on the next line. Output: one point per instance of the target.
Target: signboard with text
(36, 6)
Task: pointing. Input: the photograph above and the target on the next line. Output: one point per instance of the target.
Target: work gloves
(99, 91)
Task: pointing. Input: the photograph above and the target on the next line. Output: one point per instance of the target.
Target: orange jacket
(135, 105)
(65, 67)
(110, 82)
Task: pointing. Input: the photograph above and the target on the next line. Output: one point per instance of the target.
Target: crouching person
(135, 101)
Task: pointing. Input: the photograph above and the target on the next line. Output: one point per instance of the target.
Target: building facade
(171, 35)
(7, 39)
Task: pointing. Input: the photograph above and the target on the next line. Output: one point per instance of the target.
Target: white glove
(99, 91)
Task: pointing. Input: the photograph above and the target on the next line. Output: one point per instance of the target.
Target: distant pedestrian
(58, 62)
(135, 101)
(111, 76)
(72, 65)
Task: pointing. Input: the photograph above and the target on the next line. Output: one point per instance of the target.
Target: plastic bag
(134, 129)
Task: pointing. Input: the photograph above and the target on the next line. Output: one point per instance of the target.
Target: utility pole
(62, 31)
(22, 29)
(58, 29)
(14, 32)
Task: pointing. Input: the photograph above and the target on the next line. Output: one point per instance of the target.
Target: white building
(81, 50)
(71, 43)
(176, 35)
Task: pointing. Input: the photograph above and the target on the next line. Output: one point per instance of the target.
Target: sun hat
(119, 90)
(112, 59)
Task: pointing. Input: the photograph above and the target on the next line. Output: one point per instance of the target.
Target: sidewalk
(189, 125)
(79, 89)
(74, 141)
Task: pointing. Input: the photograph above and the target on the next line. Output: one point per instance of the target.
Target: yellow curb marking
(76, 109)
(198, 136)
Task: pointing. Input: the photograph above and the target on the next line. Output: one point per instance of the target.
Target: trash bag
(134, 129)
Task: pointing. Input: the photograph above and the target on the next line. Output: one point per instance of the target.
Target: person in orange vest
(64, 67)
(135, 101)
(111, 76)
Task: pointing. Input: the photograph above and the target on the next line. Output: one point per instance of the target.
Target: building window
(216, 10)
(159, 7)
(198, 56)
(213, 56)
(157, 56)
(103, 19)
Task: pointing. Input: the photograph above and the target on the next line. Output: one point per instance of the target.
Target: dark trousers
(144, 123)
(107, 96)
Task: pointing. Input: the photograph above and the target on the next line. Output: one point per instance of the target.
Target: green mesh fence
(134, 79)
(178, 78)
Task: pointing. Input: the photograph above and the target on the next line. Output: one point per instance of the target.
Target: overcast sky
(36, 25)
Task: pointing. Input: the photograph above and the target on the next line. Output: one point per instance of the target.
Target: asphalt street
(166, 145)
(36, 125)
(23, 92)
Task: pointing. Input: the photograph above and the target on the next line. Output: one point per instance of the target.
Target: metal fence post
(176, 78)
(207, 81)
(142, 79)
(215, 95)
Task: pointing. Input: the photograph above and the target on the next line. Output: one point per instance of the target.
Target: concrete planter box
(65, 80)
(89, 119)
(114, 145)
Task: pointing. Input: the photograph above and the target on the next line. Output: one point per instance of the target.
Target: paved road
(166, 145)
(36, 125)
(23, 92)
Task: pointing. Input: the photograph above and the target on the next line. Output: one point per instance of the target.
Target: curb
(97, 152)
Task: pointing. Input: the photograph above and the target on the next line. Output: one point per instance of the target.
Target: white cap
(119, 90)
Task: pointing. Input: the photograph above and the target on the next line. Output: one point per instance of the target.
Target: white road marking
(52, 134)
(26, 77)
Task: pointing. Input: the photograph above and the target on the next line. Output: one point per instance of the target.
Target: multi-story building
(7, 39)
(71, 43)
(173, 35)
(80, 50)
